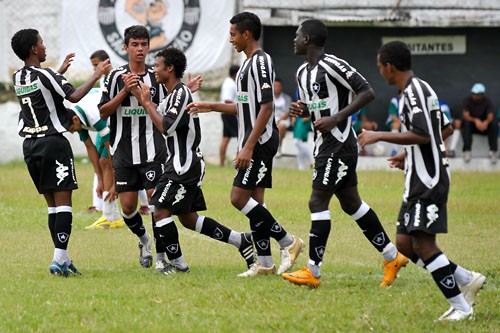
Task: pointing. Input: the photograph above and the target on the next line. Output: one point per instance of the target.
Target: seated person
(478, 116)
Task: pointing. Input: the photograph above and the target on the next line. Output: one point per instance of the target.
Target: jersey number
(27, 100)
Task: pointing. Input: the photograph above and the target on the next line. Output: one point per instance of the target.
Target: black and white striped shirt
(133, 139)
(326, 89)
(254, 86)
(185, 161)
(426, 167)
(41, 93)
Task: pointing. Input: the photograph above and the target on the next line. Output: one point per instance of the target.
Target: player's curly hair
(135, 31)
(316, 31)
(23, 41)
(397, 54)
(247, 21)
(175, 57)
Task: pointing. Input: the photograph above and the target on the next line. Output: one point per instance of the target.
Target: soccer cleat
(182, 269)
(467, 156)
(101, 223)
(117, 224)
(72, 270)
(303, 276)
(145, 255)
(246, 248)
(289, 255)
(453, 314)
(257, 269)
(391, 269)
(165, 268)
(471, 289)
(58, 269)
(493, 157)
(144, 210)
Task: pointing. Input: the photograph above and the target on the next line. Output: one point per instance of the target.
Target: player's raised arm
(81, 91)
(203, 107)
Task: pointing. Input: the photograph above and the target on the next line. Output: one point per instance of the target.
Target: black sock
(156, 235)
(215, 230)
(318, 237)
(167, 232)
(62, 228)
(439, 266)
(371, 227)
(52, 224)
(134, 223)
(264, 223)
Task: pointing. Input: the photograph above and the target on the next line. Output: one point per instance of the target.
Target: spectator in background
(281, 116)
(450, 146)
(229, 121)
(393, 123)
(360, 120)
(478, 116)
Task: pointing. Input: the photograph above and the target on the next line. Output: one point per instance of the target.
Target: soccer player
(330, 91)
(423, 211)
(258, 141)
(178, 191)
(85, 118)
(47, 153)
(138, 149)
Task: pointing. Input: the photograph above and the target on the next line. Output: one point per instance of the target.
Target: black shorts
(50, 163)
(335, 173)
(258, 174)
(229, 126)
(178, 198)
(424, 216)
(136, 178)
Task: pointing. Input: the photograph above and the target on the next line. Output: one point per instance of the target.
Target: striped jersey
(183, 134)
(41, 93)
(326, 89)
(426, 168)
(88, 112)
(254, 86)
(133, 139)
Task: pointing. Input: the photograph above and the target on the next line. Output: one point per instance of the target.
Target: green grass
(116, 295)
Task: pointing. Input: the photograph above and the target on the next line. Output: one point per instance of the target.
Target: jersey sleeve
(57, 83)
(174, 113)
(346, 75)
(263, 73)
(418, 111)
(107, 91)
(83, 134)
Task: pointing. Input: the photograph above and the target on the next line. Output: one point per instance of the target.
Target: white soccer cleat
(471, 289)
(453, 314)
(289, 255)
(257, 269)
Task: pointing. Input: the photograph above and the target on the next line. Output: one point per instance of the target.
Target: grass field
(116, 295)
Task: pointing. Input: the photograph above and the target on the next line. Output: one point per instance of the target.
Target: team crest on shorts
(150, 175)
(166, 27)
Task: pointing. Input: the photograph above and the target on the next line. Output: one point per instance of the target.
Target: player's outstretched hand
(66, 63)
(199, 107)
(194, 84)
(397, 161)
(367, 137)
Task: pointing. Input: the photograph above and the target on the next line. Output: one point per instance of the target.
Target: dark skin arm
(81, 91)
(244, 156)
(326, 124)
